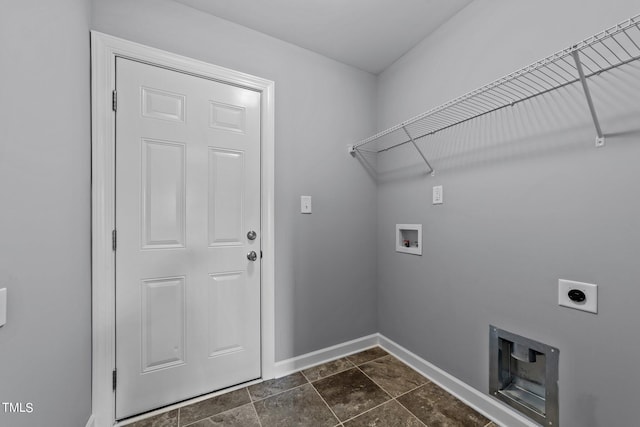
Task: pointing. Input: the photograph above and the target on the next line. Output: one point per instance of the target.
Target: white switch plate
(3, 306)
(437, 195)
(305, 204)
(590, 290)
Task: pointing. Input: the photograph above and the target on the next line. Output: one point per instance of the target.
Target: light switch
(437, 195)
(305, 204)
(3, 306)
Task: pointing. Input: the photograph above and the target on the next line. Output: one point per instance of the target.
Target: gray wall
(325, 290)
(527, 200)
(45, 348)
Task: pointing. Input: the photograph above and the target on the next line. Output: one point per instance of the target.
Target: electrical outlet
(437, 195)
(578, 295)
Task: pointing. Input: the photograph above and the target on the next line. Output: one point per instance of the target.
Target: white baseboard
(481, 402)
(91, 422)
(328, 354)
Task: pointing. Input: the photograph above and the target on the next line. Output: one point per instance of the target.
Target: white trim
(91, 422)
(288, 366)
(104, 50)
(483, 403)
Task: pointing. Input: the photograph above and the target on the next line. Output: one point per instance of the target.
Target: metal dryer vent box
(523, 373)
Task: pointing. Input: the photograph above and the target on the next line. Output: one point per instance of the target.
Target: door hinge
(260, 254)
(114, 239)
(114, 100)
(114, 379)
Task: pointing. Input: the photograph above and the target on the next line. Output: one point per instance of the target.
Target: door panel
(187, 193)
(226, 194)
(163, 194)
(227, 117)
(163, 323)
(225, 292)
(158, 104)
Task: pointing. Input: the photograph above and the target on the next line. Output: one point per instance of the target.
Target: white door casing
(187, 194)
(105, 50)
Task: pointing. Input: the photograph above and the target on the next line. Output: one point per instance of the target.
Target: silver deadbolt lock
(252, 256)
(251, 235)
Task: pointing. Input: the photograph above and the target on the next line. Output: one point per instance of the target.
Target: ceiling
(367, 34)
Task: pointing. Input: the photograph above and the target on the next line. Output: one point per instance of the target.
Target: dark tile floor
(370, 388)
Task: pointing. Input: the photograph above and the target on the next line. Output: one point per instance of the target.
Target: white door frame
(104, 50)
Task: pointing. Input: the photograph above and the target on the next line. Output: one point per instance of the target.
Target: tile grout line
(305, 377)
(324, 401)
(381, 388)
(217, 413)
(372, 380)
(414, 415)
(372, 360)
(330, 375)
(413, 389)
(407, 409)
(392, 397)
(354, 365)
(195, 422)
(368, 410)
(223, 412)
(255, 411)
(280, 392)
(358, 368)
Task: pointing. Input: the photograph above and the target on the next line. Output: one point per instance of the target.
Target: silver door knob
(252, 235)
(252, 256)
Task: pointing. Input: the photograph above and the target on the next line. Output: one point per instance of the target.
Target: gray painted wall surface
(325, 289)
(45, 347)
(527, 200)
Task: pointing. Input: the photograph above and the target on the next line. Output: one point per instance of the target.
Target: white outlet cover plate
(590, 304)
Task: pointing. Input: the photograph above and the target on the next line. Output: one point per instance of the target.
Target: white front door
(187, 196)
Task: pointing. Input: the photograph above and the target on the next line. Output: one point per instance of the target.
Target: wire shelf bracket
(602, 52)
(418, 149)
(587, 94)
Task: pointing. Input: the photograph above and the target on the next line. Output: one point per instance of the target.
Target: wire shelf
(599, 53)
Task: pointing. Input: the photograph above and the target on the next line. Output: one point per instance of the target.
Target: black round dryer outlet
(576, 295)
